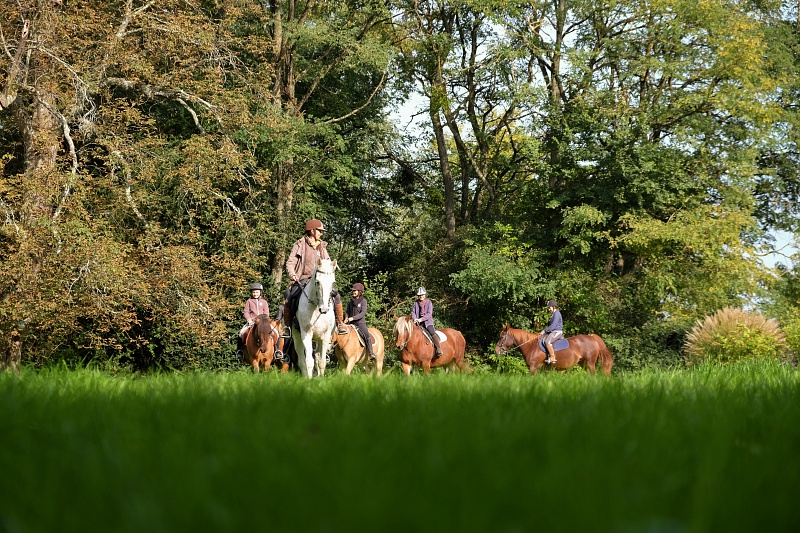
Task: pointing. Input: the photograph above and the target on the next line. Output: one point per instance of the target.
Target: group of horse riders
(300, 267)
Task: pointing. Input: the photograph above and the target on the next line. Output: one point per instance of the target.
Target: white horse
(316, 319)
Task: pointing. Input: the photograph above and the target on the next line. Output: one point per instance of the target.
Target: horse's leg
(589, 363)
(325, 347)
(351, 363)
(305, 355)
(426, 366)
(407, 368)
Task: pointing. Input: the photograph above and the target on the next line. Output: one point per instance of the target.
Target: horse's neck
(526, 341)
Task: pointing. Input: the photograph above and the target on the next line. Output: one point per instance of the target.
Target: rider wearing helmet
(357, 315)
(254, 306)
(553, 331)
(422, 314)
(300, 266)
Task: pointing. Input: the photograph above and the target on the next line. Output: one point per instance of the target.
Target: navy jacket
(556, 323)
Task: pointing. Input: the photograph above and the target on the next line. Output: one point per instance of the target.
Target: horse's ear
(334, 265)
(395, 316)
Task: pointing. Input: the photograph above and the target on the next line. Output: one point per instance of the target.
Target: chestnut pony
(416, 349)
(259, 346)
(583, 350)
(350, 351)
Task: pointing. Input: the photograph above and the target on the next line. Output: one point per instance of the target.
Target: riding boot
(368, 344)
(337, 310)
(239, 347)
(436, 347)
(287, 322)
(551, 359)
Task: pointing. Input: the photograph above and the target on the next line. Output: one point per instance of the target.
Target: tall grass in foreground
(712, 449)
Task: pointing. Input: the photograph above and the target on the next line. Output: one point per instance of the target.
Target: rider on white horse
(300, 265)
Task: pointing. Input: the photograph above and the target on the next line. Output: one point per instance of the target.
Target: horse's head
(323, 280)
(262, 332)
(506, 340)
(402, 330)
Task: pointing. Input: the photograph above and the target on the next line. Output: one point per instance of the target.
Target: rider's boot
(368, 344)
(287, 322)
(437, 349)
(337, 310)
(239, 347)
(551, 358)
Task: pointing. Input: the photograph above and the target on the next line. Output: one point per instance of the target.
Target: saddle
(560, 344)
(442, 336)
(360, 338)
(293, 300)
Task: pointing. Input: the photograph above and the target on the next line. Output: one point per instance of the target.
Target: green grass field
(710, 449)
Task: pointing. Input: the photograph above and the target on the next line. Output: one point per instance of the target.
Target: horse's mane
(325, 266)
(522, 336)
(404, 324)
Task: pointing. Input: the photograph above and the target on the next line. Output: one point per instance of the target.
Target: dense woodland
(631, 159)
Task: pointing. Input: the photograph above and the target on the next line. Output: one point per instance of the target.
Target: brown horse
(350, 350)
(583, 350)
(417, 349)
(259, 345)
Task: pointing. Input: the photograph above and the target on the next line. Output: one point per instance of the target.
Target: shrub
(733, 335)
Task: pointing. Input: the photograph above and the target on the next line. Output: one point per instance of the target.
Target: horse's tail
(605, 355)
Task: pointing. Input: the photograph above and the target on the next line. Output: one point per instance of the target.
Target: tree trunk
(444, 166)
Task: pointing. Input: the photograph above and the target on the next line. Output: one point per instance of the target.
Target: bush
(733, 335)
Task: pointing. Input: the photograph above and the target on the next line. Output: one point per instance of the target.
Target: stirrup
(286, 332)
(279, 355)
(342, 329)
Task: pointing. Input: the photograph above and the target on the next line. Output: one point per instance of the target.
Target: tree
(143, 157)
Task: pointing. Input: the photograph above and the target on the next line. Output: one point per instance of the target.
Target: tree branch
(356, 110)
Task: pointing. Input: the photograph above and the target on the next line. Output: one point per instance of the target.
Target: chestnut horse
(583, 350)
(350, 350)
(417, 349)
(259, 345)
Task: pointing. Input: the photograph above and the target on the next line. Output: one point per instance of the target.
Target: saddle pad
(442, 336)
(560, 344)
(360, 338)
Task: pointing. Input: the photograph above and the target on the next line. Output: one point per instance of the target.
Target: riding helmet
(421, 291)
(314, 224)
(256, 287)
(357, 287)
(552, 303)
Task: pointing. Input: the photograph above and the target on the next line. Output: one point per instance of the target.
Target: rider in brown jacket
(300, 266)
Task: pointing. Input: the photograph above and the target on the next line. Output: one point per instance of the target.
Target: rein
(516, 346)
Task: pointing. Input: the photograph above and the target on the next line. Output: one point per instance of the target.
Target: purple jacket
(423, 311)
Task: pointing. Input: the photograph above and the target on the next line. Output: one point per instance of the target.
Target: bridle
(515, 345)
